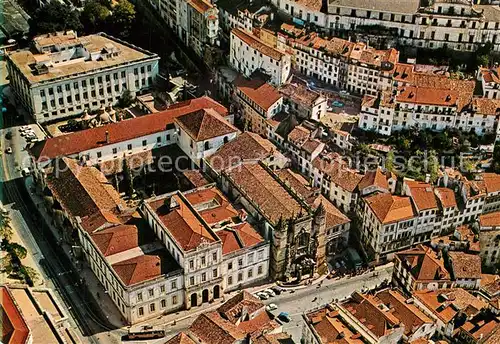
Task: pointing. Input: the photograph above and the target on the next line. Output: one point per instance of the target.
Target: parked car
(277, 290)
(262, 296)
(8, 150)
(271, 307)
(336, 103)
(270, 292)
(284, 316)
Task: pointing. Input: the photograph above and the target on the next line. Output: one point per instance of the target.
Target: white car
(25, 128)
(262, 296)
(271, 307)
(269, 292)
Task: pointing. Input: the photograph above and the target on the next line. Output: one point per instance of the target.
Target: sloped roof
(247, 146)
(423, 264)
(374, 178)
(205, 124)
(15, 330)
(447, 197)
(338, 173)
(423, 195)
(182, 222)
(181, 338)
(258, 91)
(465, 265)
(389, 208)
(238, 237)
(272, 198)
(211, 328)
(116, 239)
(490, 220)
(138, 269)
(85, 140)
(232, 308)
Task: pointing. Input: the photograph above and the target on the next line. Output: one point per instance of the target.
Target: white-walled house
(201, 133)
(249, 54)
(126, 138)
(65, 74)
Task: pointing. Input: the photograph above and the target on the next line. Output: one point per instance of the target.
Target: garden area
(13, 253)
(427, 151)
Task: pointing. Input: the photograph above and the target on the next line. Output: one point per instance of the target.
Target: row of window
(130, 146)
(260, 271)
(152, 306)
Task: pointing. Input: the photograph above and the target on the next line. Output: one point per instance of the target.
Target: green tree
(94, 16)
(126, 99)
(6, 231)
(389, 161)
(28, 274)
(433, 166)
(123, 15)
(17, 250)
(55, 16)
(128, 176)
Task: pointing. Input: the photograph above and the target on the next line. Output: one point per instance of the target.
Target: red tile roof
(181, 338)
(247, 146)
(257, 44)
(85, 140)
(492, 182)
(205, 124)
(212, 204)
(447, 197)
(338, 173)
(423, 195)
(490, 220)
(238, 237)
(257, 90)
(423, 264)
(14, 328)
(138, 269)
(259, 186)
(465, 266)
(84, 191)
(200, 5)
(374, 178)
(389, 208)
(116, 239)
(232, 309)
(211, 328)
(182, 221)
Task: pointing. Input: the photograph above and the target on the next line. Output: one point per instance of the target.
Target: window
(158, 139)
(142, 69)
(51, 91)
(261, 254)
(174, 285)
(139, 297)
(203, 277)
(99, 154)
(191, 280)
(84, 83)
(77, 97)
(115, 76)
(136, 71)
(123, 74)
(163, 303)
(152, 307)
(42, 93)
(250, 258)
(191, 264)
(259, 270)
(203, 260)
(129, 146)
(250, 273)
(240, 276)
(69, 99)
(67, 87)
(141, 311)
(92, 82)
(214, 256)
(162, 289)
(230, 280)
(174, 299)
(214, 273)
(115, 150)
(230, 265)
(75, 85)
(168, 137)
(240, 262)
(149, 68)
(151, 293)
(144, 143)
(61, 101)
(99, 79)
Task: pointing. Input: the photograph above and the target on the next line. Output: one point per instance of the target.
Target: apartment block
(63, 74)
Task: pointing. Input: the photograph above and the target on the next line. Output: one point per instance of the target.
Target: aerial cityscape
(250, 171)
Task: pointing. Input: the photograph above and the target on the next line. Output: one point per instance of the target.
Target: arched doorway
(204, 296)
(194, 300)
(216, 292)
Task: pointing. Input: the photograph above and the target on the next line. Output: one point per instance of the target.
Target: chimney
(107, 136)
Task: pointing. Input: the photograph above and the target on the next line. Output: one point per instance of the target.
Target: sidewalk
(105, 303)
